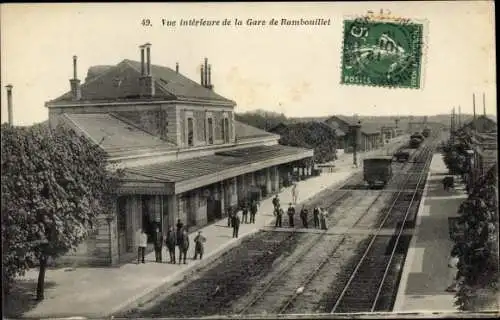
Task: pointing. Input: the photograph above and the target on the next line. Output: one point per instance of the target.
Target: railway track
(279, 292)
(366, 284)
(233, 276)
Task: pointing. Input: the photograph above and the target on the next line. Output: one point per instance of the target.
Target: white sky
(295, 70)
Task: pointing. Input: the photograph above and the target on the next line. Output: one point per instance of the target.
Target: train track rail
(272, 294)
(364, 287)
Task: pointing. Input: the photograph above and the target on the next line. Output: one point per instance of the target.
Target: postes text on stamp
(382, 53)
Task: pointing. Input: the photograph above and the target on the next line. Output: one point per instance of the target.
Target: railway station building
(183, 153)
(370, 137)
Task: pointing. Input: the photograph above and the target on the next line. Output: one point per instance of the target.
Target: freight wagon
(426, 133)
(402, 155)
(377, 170)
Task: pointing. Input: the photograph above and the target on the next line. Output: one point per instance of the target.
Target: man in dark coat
(316, 217)
(291, 213)
(171, 241)
(304, 216)
(278, 212)
(245, 213)
(230, 217)
(276, 201)
(236, 225)
(158, 244)
(199, 240)
(253, 211)
(184, 246)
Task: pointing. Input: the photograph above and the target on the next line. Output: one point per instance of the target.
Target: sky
(295, 70)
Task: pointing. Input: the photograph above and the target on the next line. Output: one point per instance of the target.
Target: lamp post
(355, 132)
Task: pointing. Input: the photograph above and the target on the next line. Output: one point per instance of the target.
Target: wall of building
(199, 115)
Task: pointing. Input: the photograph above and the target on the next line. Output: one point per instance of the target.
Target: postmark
(383, 53)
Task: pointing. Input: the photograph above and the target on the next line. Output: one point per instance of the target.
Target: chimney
(147, 82)
(142, 60)
(76, 89)
(177, 67)
(206, 73)
(209, 80)
(202, 72)
(148, 58)
(9, 103)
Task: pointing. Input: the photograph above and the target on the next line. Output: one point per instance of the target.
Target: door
(214, 211)
(124, 241)
(148, 218)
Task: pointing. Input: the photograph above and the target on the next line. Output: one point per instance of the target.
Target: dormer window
(190, 132)
(210, 127)
(225, 128)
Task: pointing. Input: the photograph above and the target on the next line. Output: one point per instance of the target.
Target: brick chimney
(147, 82)
(209, 80)
(9, 103)
(206, 73)
(177, 67)
(202, 75)
(142, 60)
(76, 89)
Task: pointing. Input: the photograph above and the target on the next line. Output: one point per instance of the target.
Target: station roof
(188, 174)
(121, 83)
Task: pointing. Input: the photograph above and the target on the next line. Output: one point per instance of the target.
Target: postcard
(248, 159)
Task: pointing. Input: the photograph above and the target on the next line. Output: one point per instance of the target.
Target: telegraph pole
(484, 106)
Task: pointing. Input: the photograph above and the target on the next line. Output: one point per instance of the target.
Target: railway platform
(425, 274)
(101, 292)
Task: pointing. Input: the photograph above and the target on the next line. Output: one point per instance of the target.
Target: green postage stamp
(382, 53)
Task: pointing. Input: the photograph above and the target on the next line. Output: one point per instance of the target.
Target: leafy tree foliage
(312, 135)
(479, 266)
(54, 186)
(265, 120)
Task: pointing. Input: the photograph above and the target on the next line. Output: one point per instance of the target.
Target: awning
(176, 177)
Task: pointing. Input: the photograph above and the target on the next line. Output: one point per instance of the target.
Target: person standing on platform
(143, 243)
(230, 217)
(295, 194)
(322, 219)
(291, 213)
(171, 242)
(278, 212)
(316, 217)
(158, 244)
(276, 202)
(179, 226)
(245, 213)
(304, 215)
(199, 240)
(253, 211)
(184, 246)
(236, 225)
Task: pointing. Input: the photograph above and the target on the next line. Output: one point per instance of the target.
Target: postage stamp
(382, 53)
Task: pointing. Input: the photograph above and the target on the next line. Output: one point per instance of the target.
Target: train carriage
(402, 155)
(377, 170)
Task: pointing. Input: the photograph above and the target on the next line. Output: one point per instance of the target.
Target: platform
(425, 274)
(101, 292)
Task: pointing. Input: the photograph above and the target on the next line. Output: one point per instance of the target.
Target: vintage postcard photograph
(249, 160)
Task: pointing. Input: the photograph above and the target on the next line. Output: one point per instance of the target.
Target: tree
(480, 266)
(55, 184)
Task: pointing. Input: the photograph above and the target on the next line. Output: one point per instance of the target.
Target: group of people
(174, 238)
(319, 215)
(233, 217)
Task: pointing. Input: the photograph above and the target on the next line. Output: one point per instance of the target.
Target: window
(223, 129)
(226, 130)
(210, 122)
(190, 133)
